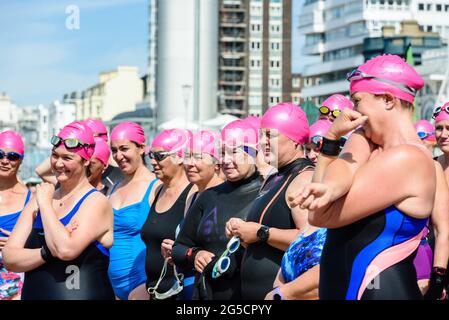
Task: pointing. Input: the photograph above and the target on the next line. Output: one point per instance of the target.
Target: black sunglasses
(161, 155)
(69, 143)
(11, 156)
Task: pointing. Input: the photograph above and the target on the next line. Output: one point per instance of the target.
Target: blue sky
(40, 59)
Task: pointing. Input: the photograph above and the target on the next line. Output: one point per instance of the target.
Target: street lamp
(186, 90)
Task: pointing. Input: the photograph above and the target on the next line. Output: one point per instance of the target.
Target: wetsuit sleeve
(187, 238)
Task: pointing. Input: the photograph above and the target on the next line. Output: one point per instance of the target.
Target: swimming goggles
(325, 111)
(69, 143)
(423, 135)
(161, 155)
(358, 75)
(11, 156)
(174, 290)
(224, 262)
(438, 110)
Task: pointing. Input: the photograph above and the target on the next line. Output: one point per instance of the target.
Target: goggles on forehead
(224, 262)
(358, 75)
(325, 111)
(11, 156)
(438, 110)
(69, 143)
(423, 135)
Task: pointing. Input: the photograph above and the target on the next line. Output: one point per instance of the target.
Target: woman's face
(96, 169)
(168, 166)
(127, 155)
(67, 165)
(9, 168)
(276, 147)
(237, 164)
(442, 135)
(200, 168)
(373, 107)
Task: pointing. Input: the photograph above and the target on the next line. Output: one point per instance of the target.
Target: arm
(15, 257)
(394, 186)
(305, 287)
(45, 173)
(440, 220)
(91, 225)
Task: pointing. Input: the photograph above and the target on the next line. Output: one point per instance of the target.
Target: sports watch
(263, 233)
(330, 147)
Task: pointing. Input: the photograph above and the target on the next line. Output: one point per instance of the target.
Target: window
(439, 7)
(275, 46)
(275, 64)
(429, 6)
(446, 7)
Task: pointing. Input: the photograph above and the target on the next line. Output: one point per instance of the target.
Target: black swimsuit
(84, 278)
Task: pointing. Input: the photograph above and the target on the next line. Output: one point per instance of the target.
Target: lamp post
(186, 90)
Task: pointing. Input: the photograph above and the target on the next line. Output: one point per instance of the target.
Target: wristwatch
(330, 147)
(263, 234)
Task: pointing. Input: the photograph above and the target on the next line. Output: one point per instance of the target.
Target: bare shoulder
(299, 181)
(96, 203)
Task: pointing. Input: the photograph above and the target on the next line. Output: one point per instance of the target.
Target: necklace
(63, 201)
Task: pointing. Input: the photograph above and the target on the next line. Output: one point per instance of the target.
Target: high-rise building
(152, 56)
(335, 31)
(187, 60)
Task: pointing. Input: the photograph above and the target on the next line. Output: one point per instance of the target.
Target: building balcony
(343, 43)
(232, 68)
(311, 6)
(313, 49)
(232, 54)
(335, 65)
(326, 89)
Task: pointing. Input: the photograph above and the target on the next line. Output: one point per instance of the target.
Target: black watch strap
(330, 147)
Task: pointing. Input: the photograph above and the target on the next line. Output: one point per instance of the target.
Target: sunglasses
(69, 143)
(11, 156)
(224, 262)
(423, 135)
(325, 111)
(438, 111)
(358, 75)
(161, 155)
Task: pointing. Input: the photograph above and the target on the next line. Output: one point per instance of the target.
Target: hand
(269, 295)
(436, 287)
(167, 249)
(246, 231)
(346, 122)
(72, 226)
(230, 226)
(4, 239)
(44, 193)
(202, 259)
(311, 197)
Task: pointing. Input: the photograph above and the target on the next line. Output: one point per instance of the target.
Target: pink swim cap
(128, 131)
(101, 151)
(288, 119)
(12, 140)
(98, 128)
(443, 114)
(78, 130)
(206, 141)
(386, 74)
(426, 129)
(173, 140)
(240, 133)
(253, 121)
(338, 101)
(319, 128)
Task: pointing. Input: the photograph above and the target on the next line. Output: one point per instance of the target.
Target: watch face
(262, 234)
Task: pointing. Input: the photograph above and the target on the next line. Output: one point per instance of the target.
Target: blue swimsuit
(303, 254)
(128, 254)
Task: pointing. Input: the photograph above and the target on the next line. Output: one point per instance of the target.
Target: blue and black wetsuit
(372, 258)
(83, 278)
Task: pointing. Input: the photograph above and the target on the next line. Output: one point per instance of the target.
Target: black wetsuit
(372, 258)
(204, 229)
(157, 227)
(111, 176)
(261, 262)
(84, 278)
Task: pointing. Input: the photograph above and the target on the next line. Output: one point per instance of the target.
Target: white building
(152, 54)
(33, 124)
(8, 110)
(187, 60)
(118, 91)
(334, 30)
(60, 114)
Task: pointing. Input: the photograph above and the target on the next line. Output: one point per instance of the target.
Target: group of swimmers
(351, 207)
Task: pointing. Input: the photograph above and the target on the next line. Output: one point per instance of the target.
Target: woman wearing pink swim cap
(98, 165)
(131, 200)
(168, 209)
(376, 196)
(14, 195)
(332, 107)
(271, 225)
(58, 230)
(317, 131)
(426, 132)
